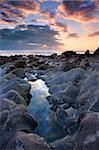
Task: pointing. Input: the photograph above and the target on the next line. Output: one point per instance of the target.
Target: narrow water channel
(39, 107)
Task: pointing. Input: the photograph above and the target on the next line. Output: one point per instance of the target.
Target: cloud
(81, 11)
(72, 35)
(15, 11)
(94, 34)
(32, 37)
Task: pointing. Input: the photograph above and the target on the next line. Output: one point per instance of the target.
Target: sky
(49, 24)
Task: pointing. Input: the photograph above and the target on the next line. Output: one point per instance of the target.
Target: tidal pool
(39, 107)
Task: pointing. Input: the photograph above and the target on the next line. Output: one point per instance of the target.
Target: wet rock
(28, 142)
(14, 96)
(88, 135)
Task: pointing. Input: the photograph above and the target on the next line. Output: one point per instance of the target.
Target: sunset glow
(73, 24)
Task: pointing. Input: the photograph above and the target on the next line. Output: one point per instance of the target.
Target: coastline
(73, 83)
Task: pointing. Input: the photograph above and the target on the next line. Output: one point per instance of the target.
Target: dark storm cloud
(94, 34)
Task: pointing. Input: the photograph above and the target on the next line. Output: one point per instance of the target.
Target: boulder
(66, 66)
(20, 64)
(65, 143)
(6, 104)
(28, 142)
(18, 119)
(31, 77)
(17, 84)
(87, 137)
(14, 96)
(19, 72)
(71, 126)
(61, 116)
(63, 77)
(97, 52)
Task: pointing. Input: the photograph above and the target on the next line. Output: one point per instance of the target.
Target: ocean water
(28, 52)
(34, 52)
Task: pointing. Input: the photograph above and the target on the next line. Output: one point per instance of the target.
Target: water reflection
(39, 107)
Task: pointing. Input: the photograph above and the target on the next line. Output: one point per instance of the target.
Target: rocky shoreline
(73, 82)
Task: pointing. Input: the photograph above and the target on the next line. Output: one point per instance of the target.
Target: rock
(52, 99)
(18, 119)
(6, 104)
(28, 142)
(54, 89)
(5, 137)
(54, 55)
(3, 117)
(44, 66)
(61, 116)
(20, 64)
(68, 54)
(95, 107)
(10, 68)
(19, 72)
(31, 77)
(7, 68)
(97, 52)
(68, 95)
(64, 77)
(70, 112)
(6, 77)
(17, 84)
(65, 143)
(66, 66)
(89, 90)
(14, 96)
(71, 126)
(87, 53)
(88, 135)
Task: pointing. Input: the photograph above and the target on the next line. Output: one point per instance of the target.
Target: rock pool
(39, 107)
